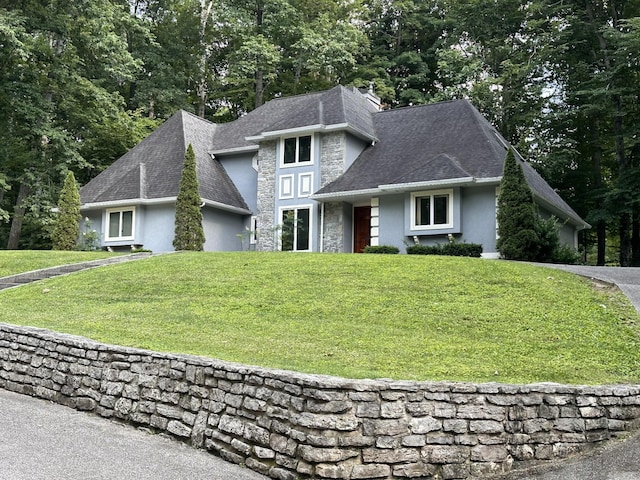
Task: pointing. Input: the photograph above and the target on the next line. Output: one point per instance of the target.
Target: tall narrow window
(296, 229)
(296, 150)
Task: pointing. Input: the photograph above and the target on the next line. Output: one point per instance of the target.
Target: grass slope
(398, 316)
(19, 261)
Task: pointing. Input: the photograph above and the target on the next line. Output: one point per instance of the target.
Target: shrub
(388, 249)
(517, 215)
(67, 225)
(449, 249)
(189, 234)
(566, 254)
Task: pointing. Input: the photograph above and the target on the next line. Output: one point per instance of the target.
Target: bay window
(432, 209)
(120, 224)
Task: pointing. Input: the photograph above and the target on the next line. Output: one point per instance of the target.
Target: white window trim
(301, 182)
(109, 211)
(297, 163)
(432, 193)
(286, 181)
(296, 208)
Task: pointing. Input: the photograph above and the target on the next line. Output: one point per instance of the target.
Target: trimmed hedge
(381, 249)
(449, 249)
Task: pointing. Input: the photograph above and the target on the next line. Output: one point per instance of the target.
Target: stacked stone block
(288, 425)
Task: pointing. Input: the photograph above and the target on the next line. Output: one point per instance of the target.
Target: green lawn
(18, 261)
(358, 316)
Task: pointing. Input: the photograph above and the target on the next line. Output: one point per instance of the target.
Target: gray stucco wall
(221, 231)
(478, 213)
(157, 227)
(240, 169)
(392, 221)
(289, 425)
(474, 220)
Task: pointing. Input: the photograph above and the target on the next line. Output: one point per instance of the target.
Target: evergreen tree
(517, 215)
(189, 234)
(67, 227)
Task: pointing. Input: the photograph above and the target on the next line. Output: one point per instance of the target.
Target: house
(321, 172)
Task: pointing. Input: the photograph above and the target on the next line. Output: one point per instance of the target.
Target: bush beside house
(189, 234)
(67, 228)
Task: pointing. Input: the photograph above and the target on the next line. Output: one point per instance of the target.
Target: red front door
(361, 228)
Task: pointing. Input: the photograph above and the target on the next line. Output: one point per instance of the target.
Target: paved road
(40, 440)
(615, 461)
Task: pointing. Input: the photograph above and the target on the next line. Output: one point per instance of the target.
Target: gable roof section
(338, 108)
(447, 143)
(152, 169)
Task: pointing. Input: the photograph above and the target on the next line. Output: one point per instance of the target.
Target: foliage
(189, 234)
(517, 214)
(468, 319)
(384, 249)
(67, 224)
(89, 238)
(452, 249)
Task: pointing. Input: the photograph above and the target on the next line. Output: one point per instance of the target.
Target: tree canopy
(82, 82)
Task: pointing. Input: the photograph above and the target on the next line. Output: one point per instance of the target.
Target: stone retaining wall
(288, 425)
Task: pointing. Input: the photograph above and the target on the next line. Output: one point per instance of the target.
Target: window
(296, 150)
(296, 229)
(431, 210)
(120, 224)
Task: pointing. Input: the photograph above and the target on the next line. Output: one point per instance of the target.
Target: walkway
(35, 275)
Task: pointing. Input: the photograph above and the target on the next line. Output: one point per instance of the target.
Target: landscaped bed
(18, 261)
(359, 316)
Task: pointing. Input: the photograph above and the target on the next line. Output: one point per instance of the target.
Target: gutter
(276, 134)
(160, 201)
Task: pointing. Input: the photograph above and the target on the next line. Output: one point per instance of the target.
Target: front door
(361, 228)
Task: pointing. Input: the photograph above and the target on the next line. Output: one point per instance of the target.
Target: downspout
(322, 227)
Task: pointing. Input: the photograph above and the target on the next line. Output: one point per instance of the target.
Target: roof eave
(236, 150)
(308, 129)
(562, 214)
(345, 195)
(449, 182)
(159, 201)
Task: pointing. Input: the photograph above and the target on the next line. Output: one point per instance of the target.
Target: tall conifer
(67, 226)
(517, 214)
(189, 234)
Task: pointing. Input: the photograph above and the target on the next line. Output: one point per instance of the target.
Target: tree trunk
(203, 87)
(596, 160)
(635, 238)
(18, 217)
(259, 90)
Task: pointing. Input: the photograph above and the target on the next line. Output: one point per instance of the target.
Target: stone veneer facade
(332, 164)
(289, 425)
(267, 160)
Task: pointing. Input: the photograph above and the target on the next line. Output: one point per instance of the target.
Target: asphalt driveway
(40, 440)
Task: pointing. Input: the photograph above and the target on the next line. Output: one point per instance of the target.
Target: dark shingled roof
(338, 106)
(152, 169)
(436, 142)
